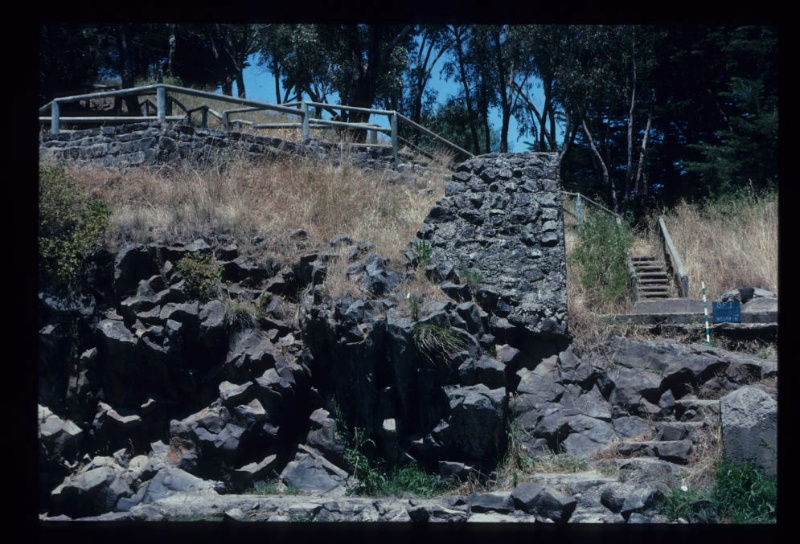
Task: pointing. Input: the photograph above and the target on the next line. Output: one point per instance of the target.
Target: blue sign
(727, 312)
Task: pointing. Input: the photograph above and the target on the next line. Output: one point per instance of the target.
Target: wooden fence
(309, 115)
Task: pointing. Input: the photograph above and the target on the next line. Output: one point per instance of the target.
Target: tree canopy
(637, 113)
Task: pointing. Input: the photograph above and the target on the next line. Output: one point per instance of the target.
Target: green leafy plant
(744, 494)
(740, 494)
(423, 253)
(71, 227)
(679, 503)
(602, 254)
(372, 476)
(201, 275)
(471, 279)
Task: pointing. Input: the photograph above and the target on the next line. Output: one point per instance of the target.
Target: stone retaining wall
(157, 144)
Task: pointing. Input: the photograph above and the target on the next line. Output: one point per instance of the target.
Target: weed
(432, 340)
(201, 275)
(678, 504)
(371, 475)
(740, 493)
(414, 304)
(423, 253)
(601, 255)
(744, 494)
(240, 316)
(471, 279)
(271, 487)
(71, 227)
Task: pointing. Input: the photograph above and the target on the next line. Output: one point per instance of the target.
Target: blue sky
(260, 85)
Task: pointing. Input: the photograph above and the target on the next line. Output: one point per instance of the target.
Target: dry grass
(727, 245)
(268, 200)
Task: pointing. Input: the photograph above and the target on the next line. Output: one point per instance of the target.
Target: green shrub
(201, 275)
(602, 256)
(423, 253)
(744, 494)
(679, 503)
(71, 228)
(471, 279)
(372, 476)
(741, 494)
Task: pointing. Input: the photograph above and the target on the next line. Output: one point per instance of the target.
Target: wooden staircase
(652, 281)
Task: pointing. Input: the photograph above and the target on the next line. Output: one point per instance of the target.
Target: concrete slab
(669, 306)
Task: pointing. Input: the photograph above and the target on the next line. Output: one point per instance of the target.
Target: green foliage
(740, 494)
(372, 476)
(744, 494)
(602, 255)
(414, 304)
(471, 278)
(271, 487)
(678, 503)
(423, 253)
(239, 316)
(71, 227)
(201, 275)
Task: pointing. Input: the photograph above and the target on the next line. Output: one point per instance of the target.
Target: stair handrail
(673, 260)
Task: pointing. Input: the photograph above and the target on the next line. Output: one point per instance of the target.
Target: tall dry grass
(268, 201)
(727, 244)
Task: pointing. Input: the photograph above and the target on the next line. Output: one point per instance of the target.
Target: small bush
(740, 494)
(71, 227)
(423, 253)
(471, 279)
(744, 494)
(201, 275)
(602, 255)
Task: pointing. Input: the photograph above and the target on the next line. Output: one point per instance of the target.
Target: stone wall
(500, 227)
(155, 144)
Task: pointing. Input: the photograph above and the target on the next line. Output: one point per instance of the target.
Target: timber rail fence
(309, 116)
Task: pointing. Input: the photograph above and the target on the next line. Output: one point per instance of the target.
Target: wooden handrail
(673, 260)
(300, 109)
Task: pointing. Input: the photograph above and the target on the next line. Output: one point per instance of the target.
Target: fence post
(161, 103)
(305, 121)
(55, 112)
(394, 136)
(579, 208)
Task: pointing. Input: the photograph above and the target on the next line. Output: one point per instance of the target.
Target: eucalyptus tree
(430, 46)
(232, 45)
(603, 81)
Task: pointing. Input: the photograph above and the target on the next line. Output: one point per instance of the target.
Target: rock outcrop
(153, 402)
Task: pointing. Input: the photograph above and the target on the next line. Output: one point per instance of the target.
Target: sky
(260, 85)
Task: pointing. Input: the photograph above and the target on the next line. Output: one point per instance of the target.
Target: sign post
(727, 312)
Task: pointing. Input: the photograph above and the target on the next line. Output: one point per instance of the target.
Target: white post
(394, 136)
(161, 103)
(55, 112)
(305, 121)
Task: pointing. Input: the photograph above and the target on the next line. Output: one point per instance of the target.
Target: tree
(430, 46)
(603, 81)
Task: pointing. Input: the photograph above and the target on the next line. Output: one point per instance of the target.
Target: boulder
(750, 428)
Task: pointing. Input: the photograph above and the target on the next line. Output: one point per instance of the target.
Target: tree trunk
(607, 180)
(126, 70)
(467, 98)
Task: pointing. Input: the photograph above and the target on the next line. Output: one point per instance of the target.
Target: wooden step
(652, 280)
